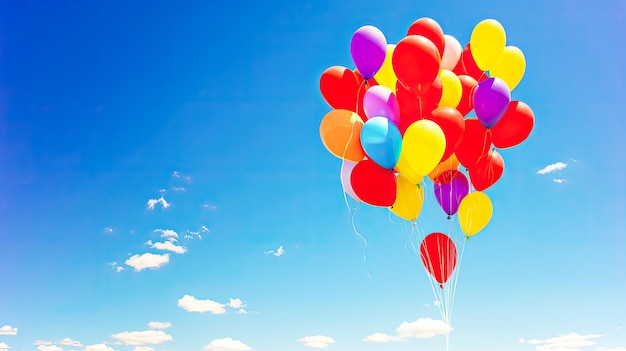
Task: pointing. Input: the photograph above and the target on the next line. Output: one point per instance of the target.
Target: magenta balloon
(449, 195)
(368, 48)
(491, 99)
(380, 101)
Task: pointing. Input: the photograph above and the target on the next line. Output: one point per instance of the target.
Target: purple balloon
(380, 101)
(368, 48)
(491, 99)
(449, 195)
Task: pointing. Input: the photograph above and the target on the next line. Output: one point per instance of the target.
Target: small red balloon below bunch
(405, 113)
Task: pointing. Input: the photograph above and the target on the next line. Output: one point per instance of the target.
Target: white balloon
(346, 171)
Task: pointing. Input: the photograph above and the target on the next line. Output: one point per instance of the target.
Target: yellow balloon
(409, 199)
(509, 66)
(385, 75)
(423, 145)
(487, 42)
(451, 89)
(404, 168)
(475, 212)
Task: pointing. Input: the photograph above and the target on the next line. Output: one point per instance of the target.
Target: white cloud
(611, 349)
(209, 206)
(153, 202)
(317, 341)
(381, 337)
(178, 188)
(569, 342)
(108, 230)
(167, 233)
(204, 229)
(279, 252)
(176, 174)
(226, 344)
(423, 328)
(558, 180)
(522, 340)
(4, 346)
(168, 246)
(98, 347)
(70, 342)
(48, 348)
(42, 342)
(119, 269)
(191, 304)
(236, 303)
(147, 260)
(552, 168)
(143, 337)
(241, 311)
(116, 266)
(159, 325)
(143, 348)
(8, 330)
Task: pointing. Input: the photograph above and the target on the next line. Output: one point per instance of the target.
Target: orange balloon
(450, 164)
(340, 131)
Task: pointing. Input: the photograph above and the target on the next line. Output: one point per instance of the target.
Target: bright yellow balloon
(451, 90)
(385, 75)
(475, 212)
(404, 168)
(509, 66)
(423, 145)
(487, 42)
(409, 199)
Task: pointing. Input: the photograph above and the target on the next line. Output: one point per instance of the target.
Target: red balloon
(417, 106)
(446, 176)
(431, 30)
(467, 103)
(439, 255)
(339, 86)
(468, 66)
(416, 62)
(487, 171)
(373, 184)
(475, 143)
(452, 124)
(514, 127)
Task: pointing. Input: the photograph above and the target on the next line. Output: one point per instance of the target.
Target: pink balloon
(451, 53)
(380, 101)
(346, 171)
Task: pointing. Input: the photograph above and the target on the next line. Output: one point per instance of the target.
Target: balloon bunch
(403, 114)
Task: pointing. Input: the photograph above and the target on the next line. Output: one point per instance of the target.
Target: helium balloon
(450, 194)
(423, 145)
(451, 53)
(491, 99)
(509, 66)
(452, 89)
(439, 255)
(416, 51)
(381, 140)
(415, 106)
(514, 127)
(450, 164)
(386, 76)
(339, 86)
(409, 199)
(346, 172)
(340, 132)
(475, 212)
(487, 171)
(373, 184)
(467, 65)
(452, 124)
(475, 143)
(466, 104)
(430, 29)
(368, 48)
(488, 40)
(404, 168)
(380, 101)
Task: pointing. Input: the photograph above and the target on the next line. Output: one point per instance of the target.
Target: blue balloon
(381, 140)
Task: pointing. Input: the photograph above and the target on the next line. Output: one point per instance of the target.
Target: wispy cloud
(147, 260)
(167, 246)
(226, 344)
(167, 233)
(159, 325)
(108, 230)
(49, 348)
(421, 328)
(179, 188)
(204, 229)
(558, 180)
(209, 206)
(178, 175)
(279, 252)
(42, 342)
(153, 202)
(143, 348)
(98, 347)
(192, 304)
(116, 266)
(143, 337)
(569, 342)
(552, 168)
(317, 341)
(8, 330)
(70, 342)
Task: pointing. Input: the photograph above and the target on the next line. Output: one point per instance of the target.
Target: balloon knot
(467, 238)
(449, 217)
(441, 286)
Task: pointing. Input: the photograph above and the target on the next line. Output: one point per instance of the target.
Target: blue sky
(213, 111)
